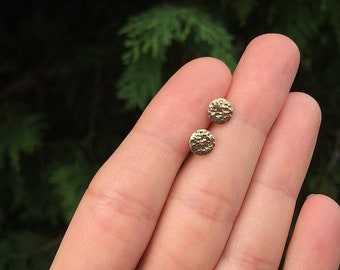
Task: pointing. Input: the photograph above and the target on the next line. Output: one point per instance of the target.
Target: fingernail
(310, 195)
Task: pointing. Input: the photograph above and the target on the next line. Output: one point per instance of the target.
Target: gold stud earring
(220, 111)
(201, 142)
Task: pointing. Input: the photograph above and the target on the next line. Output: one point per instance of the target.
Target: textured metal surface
(220, 111)
(201, 142)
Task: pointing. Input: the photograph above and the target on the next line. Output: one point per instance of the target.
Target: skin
(230, 209)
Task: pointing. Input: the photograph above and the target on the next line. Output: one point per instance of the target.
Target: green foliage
(148, 38)
(69, 181)
(20, 134)
(140, 82)
(26, 250)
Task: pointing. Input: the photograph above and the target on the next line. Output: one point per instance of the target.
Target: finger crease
(115, 204)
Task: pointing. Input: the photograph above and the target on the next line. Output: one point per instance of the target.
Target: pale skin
(230, 209)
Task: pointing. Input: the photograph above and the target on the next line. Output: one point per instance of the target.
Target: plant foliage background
(75, 76)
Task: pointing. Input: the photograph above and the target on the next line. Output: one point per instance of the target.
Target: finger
(316, 239)
(118, 212)
(209, 190)
(260, 232)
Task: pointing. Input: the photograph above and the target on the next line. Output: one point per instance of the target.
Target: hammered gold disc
(220, 111)
(201, 142)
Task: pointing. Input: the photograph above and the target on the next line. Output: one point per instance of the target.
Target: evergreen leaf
(139, 82)
(20, 136)
(148, 37)
(24, 249)
(296, 19)
(70, 180)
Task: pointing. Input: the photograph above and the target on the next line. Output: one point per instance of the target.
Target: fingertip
(281, 42)
(320, 215)
(319, 202)
(307, 104)
(207, 66)
(315, 243)
(196, 77)
(210, 63)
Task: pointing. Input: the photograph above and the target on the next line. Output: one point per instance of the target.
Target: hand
(230, 209)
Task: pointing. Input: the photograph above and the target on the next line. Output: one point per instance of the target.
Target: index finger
(118, 213)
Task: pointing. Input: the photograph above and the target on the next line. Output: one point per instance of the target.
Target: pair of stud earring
(202, 141)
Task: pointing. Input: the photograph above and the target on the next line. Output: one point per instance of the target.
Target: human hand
(230, 209)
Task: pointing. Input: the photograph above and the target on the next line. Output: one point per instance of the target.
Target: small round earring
(201, 142)
(220, 111)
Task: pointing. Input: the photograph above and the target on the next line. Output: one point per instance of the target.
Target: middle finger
(209, 190)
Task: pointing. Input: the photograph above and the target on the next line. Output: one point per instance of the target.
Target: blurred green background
(76, 75)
